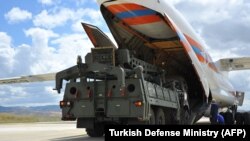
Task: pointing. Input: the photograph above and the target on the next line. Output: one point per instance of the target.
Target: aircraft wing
(29, 78)
(233, 64)
(97, 37)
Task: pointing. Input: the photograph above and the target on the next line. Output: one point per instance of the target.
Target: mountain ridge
(30, 110)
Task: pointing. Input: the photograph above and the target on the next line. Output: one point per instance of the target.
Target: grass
(13, 118)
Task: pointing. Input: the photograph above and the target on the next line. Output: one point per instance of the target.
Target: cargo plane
(155, 32)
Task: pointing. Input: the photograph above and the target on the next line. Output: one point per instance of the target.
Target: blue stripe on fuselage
(197, 50)
(135, 13)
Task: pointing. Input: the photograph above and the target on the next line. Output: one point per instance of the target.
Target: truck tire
(160, 118)
(97, 131)
(152, 117)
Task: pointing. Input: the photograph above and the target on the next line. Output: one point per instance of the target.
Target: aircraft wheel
(160, 117)
(152, 117)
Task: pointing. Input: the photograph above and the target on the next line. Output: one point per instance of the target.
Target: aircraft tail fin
(233, 64)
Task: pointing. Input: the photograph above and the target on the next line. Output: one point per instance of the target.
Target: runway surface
(58, 131)
(50, 131)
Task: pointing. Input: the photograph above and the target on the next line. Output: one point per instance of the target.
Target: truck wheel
(152, 117)
(97, 131)
(160, 117)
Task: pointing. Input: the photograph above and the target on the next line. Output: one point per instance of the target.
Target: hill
(30, 110)
(21, 114)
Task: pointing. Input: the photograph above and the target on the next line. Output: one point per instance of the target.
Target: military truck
(114, 87)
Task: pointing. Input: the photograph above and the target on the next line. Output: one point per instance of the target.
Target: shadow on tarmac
(79, 138)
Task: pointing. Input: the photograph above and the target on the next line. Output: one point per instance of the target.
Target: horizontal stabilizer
(233, 64)
(29, 78)
(97, 37)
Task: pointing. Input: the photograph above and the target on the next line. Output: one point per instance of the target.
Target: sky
(42, 36)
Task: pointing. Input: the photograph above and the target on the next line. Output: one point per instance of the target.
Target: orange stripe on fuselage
(194, 43)
(118, 8)
(201, 58)
(142, 20)
(213, 67)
